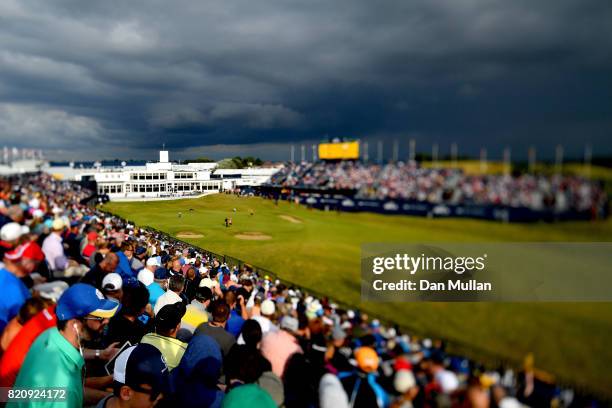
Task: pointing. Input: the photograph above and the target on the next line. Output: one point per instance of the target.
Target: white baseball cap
(13, 231)
(112, 282)
(403, 381)
(208, 283)
(153, 261)
(268, 307)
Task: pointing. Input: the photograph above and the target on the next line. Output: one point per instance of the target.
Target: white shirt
(53, 249)
(168, 298)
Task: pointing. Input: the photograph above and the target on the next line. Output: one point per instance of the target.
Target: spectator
(251, 334)
(13, 214)
(301, 382)
(192, 282)
(124, 268)
(196, 313)
(361, 385)
(244, 365)
(103, 248)
(96, 274)
(90, 245)
(148, 279)
(405, 384)
(331, 393)
(445, 379)
(28, 310)
(175, 267)
(129, 251)
(16, 352)
(152, 264)
(235, 321)
(268, 309)
(176, 285)
(131, 323)
(54, 359)
(10, 235)
(112, 286)
(195, 380)
(140, 375)
(140, 253)
(17, 264)
(278, 347)
(161, 277)
(167, 323)
(59, 264)
(216, 328)
(273, 385)
(254, 394)
(337, 354)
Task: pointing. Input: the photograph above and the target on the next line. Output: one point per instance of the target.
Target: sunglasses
(94, 318)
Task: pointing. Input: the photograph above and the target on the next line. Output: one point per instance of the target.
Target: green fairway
(321, 250)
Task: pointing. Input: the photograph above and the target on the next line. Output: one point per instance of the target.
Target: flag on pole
(412, 149)
(434, 154)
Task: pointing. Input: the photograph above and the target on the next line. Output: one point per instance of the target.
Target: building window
(183, 175)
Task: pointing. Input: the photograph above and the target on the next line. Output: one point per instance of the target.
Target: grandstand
(348, 184)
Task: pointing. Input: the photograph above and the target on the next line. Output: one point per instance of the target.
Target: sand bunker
(291, 219)
(253, 236)
(187, 234)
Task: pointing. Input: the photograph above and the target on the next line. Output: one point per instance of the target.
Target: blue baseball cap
(161, 273)
(81, 300)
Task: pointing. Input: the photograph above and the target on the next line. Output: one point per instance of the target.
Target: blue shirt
(124, 268)
(234, 323)
(155, 291)
(14, 295)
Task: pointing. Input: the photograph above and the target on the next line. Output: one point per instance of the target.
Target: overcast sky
(109, 79)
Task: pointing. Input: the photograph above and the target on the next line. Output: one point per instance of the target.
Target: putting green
(321, 250)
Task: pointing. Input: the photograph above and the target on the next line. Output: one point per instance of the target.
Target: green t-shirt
(52, 362)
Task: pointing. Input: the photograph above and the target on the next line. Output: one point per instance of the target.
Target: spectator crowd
(407, 181)
(120, 316)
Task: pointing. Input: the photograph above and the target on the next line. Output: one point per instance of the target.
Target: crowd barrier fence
(343, 202)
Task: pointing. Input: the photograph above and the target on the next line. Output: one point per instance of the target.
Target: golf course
(321, 251)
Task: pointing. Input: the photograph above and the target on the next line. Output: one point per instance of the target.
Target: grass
(322, 252)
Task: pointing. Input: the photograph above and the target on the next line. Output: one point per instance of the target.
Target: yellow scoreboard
(339, 151)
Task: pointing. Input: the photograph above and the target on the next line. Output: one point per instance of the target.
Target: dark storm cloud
(120, 78)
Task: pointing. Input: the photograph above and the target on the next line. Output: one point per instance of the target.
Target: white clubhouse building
(165, 179)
